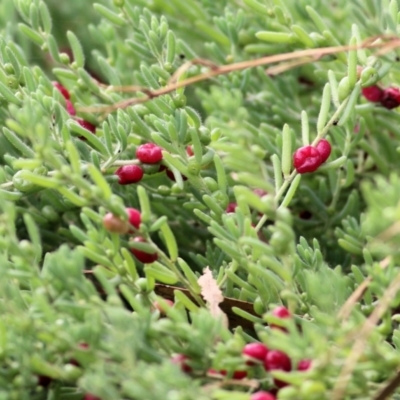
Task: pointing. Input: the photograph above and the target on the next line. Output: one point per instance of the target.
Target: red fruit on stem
(231, 208)
(70, 108)
(304, 365)
(86, 124)
(276, 359)
(61, 89)
(280, 312)
(255, 351)
(129, 174)
(324, 148)
(89, 396)
(390, 98)
(145, 258)
(135, 217)
(180, 359)
(262, 396)
(149, 153)
(189, 151)
(373, 93)
(306, 159)
(114, 224)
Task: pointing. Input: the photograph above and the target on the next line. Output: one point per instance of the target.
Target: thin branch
(358, 347)
(387, 390)
(345, 311)
(384, 44)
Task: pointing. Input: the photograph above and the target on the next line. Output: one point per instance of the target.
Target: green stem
(289, 180)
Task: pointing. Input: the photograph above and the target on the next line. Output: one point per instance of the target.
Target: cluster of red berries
(148, 153)
(71, 109)
(309, 158)
(116, 225)
(256, 354)
(388, 98)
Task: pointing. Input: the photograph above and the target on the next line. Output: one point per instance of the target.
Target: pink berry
(62, 90)
(145, 258)
(255, 351)
(157, 306)
(280, 312)
(304, 365)
(135, 217)
(260, 192)
(114, 224)
(189, 151)
(70, 108)
(86, 124)
(231, 208)
(306, 159)
(89, 396)
(373, 93)
(180, 359)
(129, 174)
(390, 98)
(276, 359)
(324, 148)
(262, 396)
(149, 153)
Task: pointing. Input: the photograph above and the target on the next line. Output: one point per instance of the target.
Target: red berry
(280, 312)
(86, 124)
(169, 173)
(373, 93)
(145, 258)
(390, 98)
(44, 380)
(262, 396)
(189, 151)
(129, 174)
(180, 359)
(135, 217)
(149, 153)
(306, 159)
(276, 359)
(231, 208)
(62, 90)
(255, 351)
(324, 148)
(114, 224)
(89, 396)
(304, 365)
(70, 108)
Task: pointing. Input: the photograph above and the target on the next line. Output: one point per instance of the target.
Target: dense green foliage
(309, 242)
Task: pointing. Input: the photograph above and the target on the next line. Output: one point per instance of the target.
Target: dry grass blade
(384, 44)
(358, 347)
(345, 311)
(387, 390)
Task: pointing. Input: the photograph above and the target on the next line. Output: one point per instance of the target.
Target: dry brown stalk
(383, 42)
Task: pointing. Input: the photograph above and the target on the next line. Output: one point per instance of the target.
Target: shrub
(199, 200)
